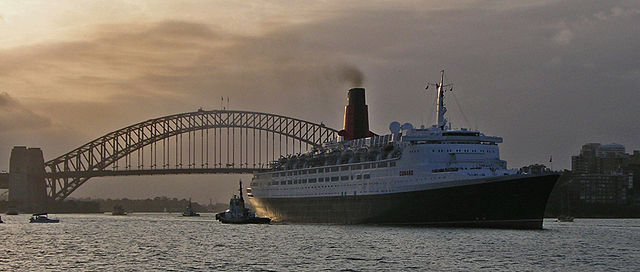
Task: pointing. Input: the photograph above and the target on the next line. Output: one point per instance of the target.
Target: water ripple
(167, 242)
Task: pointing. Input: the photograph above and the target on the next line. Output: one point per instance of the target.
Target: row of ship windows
(334, 178)
(341, 178)
(314, 180)
(335, 169)
(329, 179)
(601, 197)
(331, 192)
(463, 150)
(454, 169)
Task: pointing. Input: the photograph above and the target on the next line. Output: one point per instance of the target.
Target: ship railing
(370, 141)
(391, 162)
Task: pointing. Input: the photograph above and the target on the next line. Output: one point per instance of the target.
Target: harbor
(319, 136)
(107, 242)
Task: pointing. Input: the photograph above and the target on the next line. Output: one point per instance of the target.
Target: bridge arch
(218, 141)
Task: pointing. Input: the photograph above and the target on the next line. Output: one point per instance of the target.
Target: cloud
(563, 37)
(169, 58)
(616, 12)
(16, 117)
(622, 12)
(600, 15)
(124, 73)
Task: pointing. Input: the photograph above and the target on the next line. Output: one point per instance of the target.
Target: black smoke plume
(352, 75)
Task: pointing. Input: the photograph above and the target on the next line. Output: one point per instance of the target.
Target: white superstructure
(407, 159)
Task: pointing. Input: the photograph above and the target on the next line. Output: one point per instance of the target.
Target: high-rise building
(634, 168)
(601, 175)
(595, 158)
(603, 189)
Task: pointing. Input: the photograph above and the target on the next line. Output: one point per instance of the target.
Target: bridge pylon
(27, 187)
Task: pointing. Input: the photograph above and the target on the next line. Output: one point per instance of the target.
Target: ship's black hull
(506, 202)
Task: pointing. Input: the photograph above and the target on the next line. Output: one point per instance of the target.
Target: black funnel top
(356, 97)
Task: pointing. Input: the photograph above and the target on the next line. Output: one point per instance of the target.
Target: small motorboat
(565, 207)
(189, 210)
(565, 218)
(118, 210)
(238, 214)
(42, 218)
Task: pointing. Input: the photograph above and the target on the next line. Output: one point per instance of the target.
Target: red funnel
(356, 116)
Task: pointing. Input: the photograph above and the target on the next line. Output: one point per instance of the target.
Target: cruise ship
(435, 176)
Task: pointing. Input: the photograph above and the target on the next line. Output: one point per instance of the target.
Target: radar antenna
(441, 109)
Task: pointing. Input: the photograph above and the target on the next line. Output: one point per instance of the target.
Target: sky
(547, 76)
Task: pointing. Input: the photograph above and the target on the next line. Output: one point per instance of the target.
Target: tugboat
(42, 218)
(189, 210)
(238, 214)
(118, 210)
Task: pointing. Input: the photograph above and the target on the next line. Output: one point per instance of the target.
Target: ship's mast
(441, 109)
(240, 189)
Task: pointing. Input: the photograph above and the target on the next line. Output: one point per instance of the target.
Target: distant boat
(565, 209)
(42, 218)
(238, 214)
(565, 218)
(118, 210)
(1, 220)
(189, 210)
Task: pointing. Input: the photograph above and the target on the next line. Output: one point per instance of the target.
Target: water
(167, 242)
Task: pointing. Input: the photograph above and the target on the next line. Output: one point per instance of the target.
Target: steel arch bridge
(218, 141)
